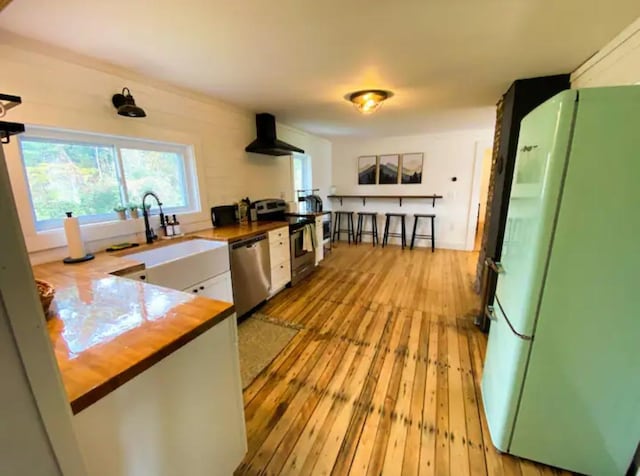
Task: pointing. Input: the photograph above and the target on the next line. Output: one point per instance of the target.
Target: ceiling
(447, 61)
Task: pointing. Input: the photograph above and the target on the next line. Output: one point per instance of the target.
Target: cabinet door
(279, 252)
(218, 288)
(184, 415)
(278, 235)
(280, 275)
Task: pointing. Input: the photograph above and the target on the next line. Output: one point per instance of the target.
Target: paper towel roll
(74, 237)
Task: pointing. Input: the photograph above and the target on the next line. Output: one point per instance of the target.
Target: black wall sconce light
(126, 105)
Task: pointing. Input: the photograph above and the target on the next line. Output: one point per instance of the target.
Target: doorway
(484, 194)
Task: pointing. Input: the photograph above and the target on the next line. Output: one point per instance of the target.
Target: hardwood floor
(384, 376)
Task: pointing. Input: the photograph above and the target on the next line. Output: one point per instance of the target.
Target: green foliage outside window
(84, 178)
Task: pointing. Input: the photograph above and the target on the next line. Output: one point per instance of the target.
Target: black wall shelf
(433, 198)
(8, 129)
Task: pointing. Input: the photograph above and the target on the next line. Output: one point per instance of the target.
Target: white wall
(318, 149)
(446, 155)
(616, 64)
(60, 89)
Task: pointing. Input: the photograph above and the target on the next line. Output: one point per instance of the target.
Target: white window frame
(189, 175)
(307, 173)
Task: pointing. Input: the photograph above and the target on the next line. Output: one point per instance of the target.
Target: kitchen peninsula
(151, 374)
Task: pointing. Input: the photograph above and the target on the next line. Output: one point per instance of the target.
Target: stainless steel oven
(302, 262)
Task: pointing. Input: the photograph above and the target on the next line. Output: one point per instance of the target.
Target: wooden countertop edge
(208, 234)
(254, 233)
(92, 396)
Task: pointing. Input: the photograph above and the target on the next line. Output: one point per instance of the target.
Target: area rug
(260, 340)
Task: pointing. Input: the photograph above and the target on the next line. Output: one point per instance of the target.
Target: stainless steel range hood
(267, 143)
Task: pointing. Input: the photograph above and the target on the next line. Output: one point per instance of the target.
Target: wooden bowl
(46, 292)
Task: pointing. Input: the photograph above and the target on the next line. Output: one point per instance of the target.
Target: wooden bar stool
(374, 227)
(387, 234)
(431, 237)
(338, 224)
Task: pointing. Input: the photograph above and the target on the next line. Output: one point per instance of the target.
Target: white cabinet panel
(184, 415)
(279, 254)
(279, 234)
(280, 275)
(219, 288)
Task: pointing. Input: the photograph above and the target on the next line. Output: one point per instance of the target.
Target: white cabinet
(280, 275)
(219, 288)
(280, 234)
(280, 258)
(184, 415)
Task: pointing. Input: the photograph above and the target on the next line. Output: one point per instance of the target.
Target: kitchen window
(301, 165)
(90, 174)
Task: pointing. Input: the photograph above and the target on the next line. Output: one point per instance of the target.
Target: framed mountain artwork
(388, 169)
(367, 169)
(412, 168)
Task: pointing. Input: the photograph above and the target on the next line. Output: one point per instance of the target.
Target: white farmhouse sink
(180, 265)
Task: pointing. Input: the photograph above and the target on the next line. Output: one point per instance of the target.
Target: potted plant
(133, 210)
(121, 211)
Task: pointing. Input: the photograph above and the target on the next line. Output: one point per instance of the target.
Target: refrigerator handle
(496, 267)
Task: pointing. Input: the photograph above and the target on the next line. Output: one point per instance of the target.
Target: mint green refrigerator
(561, 380)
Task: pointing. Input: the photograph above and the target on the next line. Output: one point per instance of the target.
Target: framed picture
(367, 169)
(412, 168)
(388, 169)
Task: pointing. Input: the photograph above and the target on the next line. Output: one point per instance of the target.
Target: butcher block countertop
(231, 233)
(105, 329)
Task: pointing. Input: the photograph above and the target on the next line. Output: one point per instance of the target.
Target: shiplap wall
(62, 90)
(616, 64)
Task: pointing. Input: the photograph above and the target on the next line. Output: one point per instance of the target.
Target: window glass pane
(156, 171)
(70, 177)
(301, 172)
(297, 174)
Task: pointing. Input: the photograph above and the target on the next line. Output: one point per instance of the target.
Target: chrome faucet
(148, 231)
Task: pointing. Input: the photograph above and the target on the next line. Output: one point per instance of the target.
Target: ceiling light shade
(126, 105)
(369, 100)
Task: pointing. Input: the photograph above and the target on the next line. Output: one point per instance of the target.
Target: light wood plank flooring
(384, 376)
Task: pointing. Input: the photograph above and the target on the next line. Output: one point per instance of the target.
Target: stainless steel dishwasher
(250, 272)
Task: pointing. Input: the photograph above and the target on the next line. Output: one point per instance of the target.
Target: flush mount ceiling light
(369, 100)
(126, 105)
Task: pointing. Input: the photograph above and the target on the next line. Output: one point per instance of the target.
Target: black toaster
(223, 215)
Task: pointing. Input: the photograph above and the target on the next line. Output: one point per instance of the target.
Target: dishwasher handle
(249, 243)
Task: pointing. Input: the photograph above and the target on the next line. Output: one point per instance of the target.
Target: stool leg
(348, 230)
(413, 234)
(404, 234)
(433, 234)
(336, 228)
(385, 237)
(359, 230)
(374, 230)
(353, 234)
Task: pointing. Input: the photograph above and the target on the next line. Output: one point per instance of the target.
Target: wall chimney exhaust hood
(267, 143)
